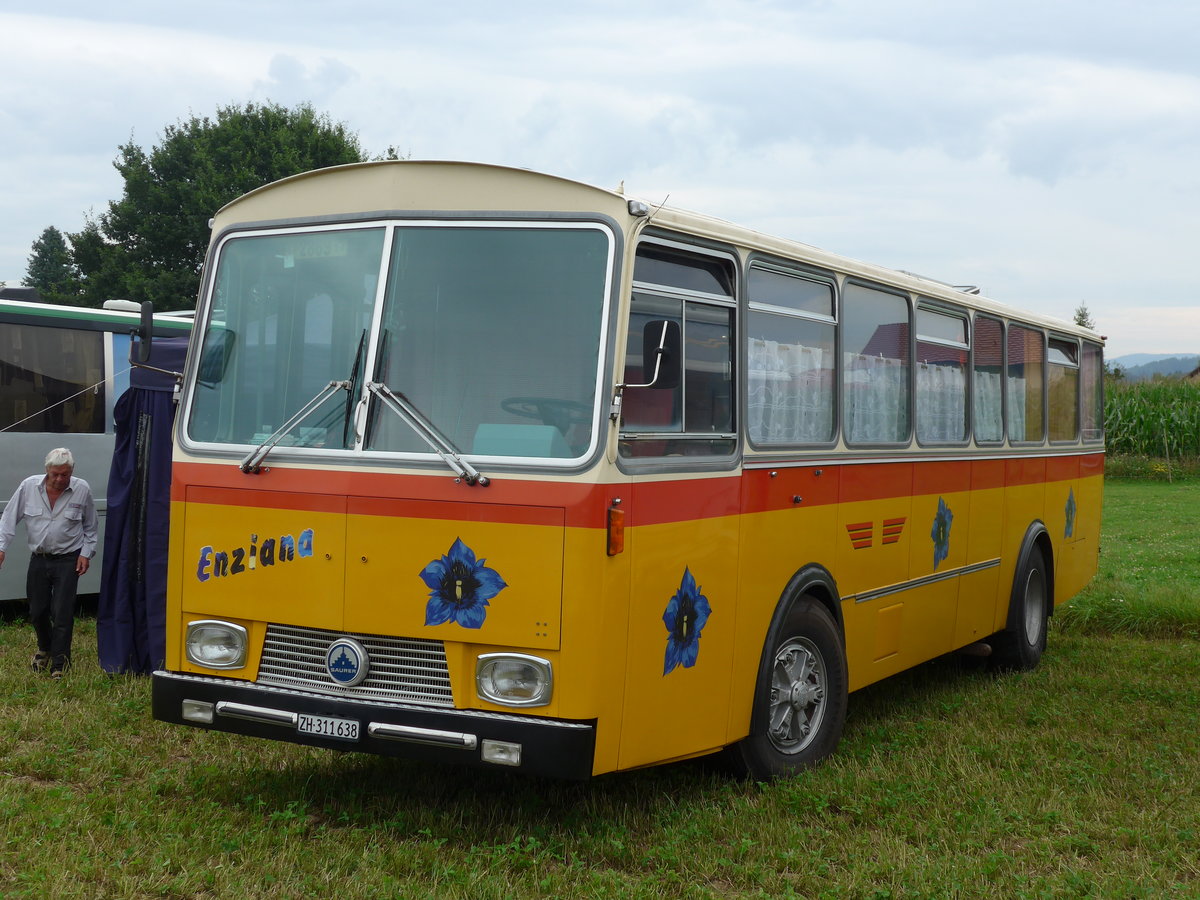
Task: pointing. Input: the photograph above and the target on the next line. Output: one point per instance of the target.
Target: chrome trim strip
(473, 714)
(429, 736)
(260, 714)
(866, 596)
(758, 458)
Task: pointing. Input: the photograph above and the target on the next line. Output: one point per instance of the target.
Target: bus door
(678, 441)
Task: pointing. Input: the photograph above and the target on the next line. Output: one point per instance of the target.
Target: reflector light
(616, 531)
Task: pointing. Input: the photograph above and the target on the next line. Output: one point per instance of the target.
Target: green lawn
(1079, 779)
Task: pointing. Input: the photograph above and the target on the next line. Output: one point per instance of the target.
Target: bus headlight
(514, 679)
(216, 645)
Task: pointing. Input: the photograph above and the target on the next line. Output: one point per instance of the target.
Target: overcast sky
(1046, 151)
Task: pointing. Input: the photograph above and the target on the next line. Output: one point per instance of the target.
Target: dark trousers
(51, 584)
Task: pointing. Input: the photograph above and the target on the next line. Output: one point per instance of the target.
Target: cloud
(1044, 151)
(291, 81)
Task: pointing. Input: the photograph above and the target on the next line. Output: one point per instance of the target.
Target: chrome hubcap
(797, 703)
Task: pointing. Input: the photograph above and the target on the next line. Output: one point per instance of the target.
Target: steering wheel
(562, 414)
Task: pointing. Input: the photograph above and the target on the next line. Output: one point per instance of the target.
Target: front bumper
(549, 747)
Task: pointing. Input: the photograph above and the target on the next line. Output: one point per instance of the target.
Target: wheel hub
(803, 695)
(797, 695)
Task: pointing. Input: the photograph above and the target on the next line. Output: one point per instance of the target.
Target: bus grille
(404, 670)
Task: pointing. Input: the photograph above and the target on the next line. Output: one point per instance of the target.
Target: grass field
(1079, 779)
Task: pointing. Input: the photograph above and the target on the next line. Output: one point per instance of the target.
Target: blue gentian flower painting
(941, 532)
(1070, 512)
(460, 587)
(685, 616)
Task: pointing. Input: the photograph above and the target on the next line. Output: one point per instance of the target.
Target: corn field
(1159, 419)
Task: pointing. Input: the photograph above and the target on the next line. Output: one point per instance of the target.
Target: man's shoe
(59, 668)
(40, 661)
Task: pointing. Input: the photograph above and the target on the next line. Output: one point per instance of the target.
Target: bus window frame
(1101, 388)
(700, 462)
(1003, 324)
(391, 221)
(910, 343)
(806, 273)
(1045, 438)
(1077, 366)
(943, 308)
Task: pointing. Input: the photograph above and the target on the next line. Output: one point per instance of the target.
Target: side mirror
(215, 356)
(145, 332)
(662, 354)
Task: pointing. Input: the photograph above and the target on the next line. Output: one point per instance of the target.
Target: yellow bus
(481, 465)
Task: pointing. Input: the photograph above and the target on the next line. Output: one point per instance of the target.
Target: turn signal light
(616, 530)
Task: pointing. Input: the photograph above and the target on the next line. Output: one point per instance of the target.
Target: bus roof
(84, 317)
(389, 187)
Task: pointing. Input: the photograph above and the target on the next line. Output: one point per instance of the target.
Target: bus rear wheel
(800, 698)
(1020, 646)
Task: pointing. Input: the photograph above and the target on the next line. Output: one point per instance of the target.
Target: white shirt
(67, 527)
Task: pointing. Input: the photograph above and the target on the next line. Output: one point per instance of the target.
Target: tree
(51, 269)
(150, 244)
(1083, 317)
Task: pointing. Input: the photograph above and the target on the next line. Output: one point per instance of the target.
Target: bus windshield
(493, 332)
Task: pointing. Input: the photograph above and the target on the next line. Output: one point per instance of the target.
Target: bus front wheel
(1020, 646)
(800, 697)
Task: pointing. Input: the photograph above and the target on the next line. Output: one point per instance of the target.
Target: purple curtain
(131, 617)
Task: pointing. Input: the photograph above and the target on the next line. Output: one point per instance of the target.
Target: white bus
(62, 369)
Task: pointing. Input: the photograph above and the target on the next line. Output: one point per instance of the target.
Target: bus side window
(53, 379)
(941, 375)
(1063, 389)
(1026, 381)
(875, 366)
(695, 416)
(1092, 393)
(790, 389)
(988, 375)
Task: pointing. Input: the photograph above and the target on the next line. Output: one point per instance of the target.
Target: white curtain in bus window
(875, 366)
(989, 374)
(941, 396)
(290, 314)
(51, 379)
(941, 371)
(1026, 380)
(791, 359)
(790, 389)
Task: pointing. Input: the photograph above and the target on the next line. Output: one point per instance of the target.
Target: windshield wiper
(354, 373)
(252, 464)
(428, 432)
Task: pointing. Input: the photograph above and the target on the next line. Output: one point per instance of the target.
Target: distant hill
(1140, 366)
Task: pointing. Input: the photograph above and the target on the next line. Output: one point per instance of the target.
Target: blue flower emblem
(941, 532)
(460, 587)
(1070, 511)
(685, 616)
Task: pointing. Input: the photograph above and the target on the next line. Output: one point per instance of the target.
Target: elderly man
(60, 518)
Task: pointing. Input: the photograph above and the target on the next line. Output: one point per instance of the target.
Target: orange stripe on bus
(646, 502)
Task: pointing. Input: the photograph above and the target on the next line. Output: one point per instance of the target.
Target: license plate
(326, 726)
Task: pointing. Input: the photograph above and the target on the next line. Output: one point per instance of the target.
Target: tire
(1021, 645)
(800, 697)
